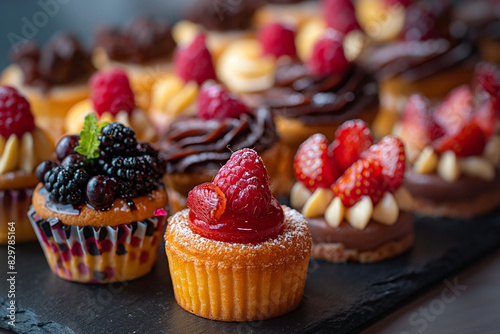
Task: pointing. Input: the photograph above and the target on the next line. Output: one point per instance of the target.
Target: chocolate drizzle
(142, 40)
(194, 144)
(332, 99)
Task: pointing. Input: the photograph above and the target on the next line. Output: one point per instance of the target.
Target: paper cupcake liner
(99, 255)
(14, 206)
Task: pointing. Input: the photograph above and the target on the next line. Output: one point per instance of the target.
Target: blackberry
(66, 184)
(117, 140)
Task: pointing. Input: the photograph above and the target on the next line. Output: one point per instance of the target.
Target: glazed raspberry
(340, 15)
(278, 40)
(110, 92)
(194, 61)
(207, 202)
(15, 113)
(214, 102)
(328, 56)
(352, 138)
(244, 181)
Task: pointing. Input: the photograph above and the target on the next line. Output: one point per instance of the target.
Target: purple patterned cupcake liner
(14, 206)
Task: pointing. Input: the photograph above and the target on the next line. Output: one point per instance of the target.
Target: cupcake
(236, 254)
(53, 78)
(292, 12)
(176, 94)
(350, 193)
(413, 49)
(111, 99)
(195, 147)
(454, 151)
(22, 147)
(143, 49)
(99, 212)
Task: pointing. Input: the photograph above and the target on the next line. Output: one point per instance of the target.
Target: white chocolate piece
(299, 195)
(122, 117)
(477, 167)
(27, 162)
(448, 167)
(404, 199)
(10, 156)
(492, 151)
(316, 204)
(335, 212)
(359, 214)
(427, 161)
(386, 211)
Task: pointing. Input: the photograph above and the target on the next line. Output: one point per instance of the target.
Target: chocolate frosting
(62, 60)
(144, 39)
(193, 144)
(373, 236)
(314, 101)
(434, 188)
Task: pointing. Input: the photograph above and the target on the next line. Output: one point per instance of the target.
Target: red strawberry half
(469, 141)
(455, 111)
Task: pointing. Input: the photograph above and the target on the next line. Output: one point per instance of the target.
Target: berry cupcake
(413, 49)
(236, 254)
(143, 49)
(99, 210)
(454, 150)
(195, 147)
(350, 193)
(53, 78)
(176, 94)
(111, 99)
(291, 12)
(22, 147)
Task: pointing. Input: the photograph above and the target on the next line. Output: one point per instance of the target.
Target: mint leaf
(89, 137)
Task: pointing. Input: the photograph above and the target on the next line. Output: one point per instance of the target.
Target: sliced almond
(477, 167)
(10, 156)
(2, 144)
(380, 22)
(427, 161)
(448, 167)
(386, 211)
(492, 151)
(354, 42)
(44, 147)
(335, 212)
(164, 90)
(27, 152)
(185, 31)
(307, 36)
(359, 214)
(122, 117)
(404, 199)
(318, 202)
(183, 99)
(299, 195)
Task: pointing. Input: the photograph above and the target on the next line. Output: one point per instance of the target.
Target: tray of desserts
(264, 166)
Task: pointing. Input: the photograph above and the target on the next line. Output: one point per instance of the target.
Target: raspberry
(15, 113)
(66, 184)
(194, 61)
(243, 179)
(110, 92)
(207, 201)
(340, 15)
(278, 40)
(328, 56)
(214, 102)
(117, 139)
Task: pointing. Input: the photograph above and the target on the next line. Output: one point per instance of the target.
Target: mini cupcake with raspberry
(143, 49)
(98, 211)
(175, 95)
(51, 77)
(236, 254)
(112, 100)
(454, 149)
(195, 147)
(23, 146)
(350, 193)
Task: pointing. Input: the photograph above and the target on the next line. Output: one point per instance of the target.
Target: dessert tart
(236, 254)
(350, 193)
(176, 94)
(111, 99)
(98, 210)
(143, 49)
(195, 147)
(291, 12)
(413, 49)
(53, 78)
(23, 146)
(454, 149)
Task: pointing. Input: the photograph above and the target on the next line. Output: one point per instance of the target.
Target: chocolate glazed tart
(374, 243)
(465, 197)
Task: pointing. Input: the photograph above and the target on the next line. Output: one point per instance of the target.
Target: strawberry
(487, 79)
(455, 111)
(314, 166)
(486, 116)
(207, 202)
(470, 140)
(363, 178)
(390, 153)
(352, 138)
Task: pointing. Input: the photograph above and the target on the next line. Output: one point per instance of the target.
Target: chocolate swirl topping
(62, 60)
(193, 144)
(144, 39)
(328, 100)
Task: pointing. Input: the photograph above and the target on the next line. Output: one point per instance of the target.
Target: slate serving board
(338, 298)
